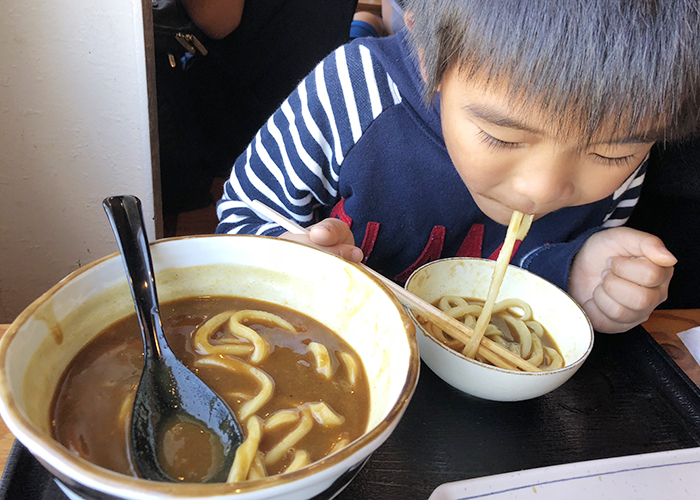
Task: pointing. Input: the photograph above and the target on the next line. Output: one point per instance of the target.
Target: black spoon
(168, 393)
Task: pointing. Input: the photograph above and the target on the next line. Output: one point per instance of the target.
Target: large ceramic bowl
(43, 339)
(561, 316)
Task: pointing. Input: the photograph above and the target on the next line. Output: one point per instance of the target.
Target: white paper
(668, 475)
(691, 339)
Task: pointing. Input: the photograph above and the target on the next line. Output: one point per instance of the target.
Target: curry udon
(299, 390)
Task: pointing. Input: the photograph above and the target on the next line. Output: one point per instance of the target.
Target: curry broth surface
(96, 390)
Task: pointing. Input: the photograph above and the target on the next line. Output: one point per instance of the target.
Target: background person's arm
(216, 18)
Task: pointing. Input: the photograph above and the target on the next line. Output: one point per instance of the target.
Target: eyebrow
(499, 119)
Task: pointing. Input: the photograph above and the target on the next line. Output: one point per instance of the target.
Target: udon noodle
(512, 326)
(299, 391)
(238, 339)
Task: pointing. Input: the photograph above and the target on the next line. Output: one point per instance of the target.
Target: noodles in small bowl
(532, 318)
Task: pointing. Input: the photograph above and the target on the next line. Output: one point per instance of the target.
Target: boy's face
(510, 160)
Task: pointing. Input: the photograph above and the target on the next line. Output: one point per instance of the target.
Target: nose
(545, 179)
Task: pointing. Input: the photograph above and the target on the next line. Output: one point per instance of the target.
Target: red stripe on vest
(471, 246)
(431, 252)
(339, 213)
(369, 240)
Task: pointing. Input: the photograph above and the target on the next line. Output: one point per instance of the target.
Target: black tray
(628, 398)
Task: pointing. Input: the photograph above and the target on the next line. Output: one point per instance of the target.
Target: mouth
(527, 210)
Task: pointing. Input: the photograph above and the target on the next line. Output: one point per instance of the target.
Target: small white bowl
(40, 343)
(556, 310)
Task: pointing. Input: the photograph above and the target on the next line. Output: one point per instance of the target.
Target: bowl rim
(101, 479)
(519, 373)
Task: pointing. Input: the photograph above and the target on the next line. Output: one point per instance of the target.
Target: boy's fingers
(331, 232)
(600, 321)
(609, 316)
(630, 296)
(641, 271)
(351, 253)
(612, 308)
(325, 239)
(654, 249)
(300, 238)
(634, 243)
(323, 235)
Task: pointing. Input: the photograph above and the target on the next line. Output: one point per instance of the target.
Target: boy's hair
(629, 65)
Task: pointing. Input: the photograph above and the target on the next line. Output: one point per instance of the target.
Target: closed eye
(622, 160)
(492, 142)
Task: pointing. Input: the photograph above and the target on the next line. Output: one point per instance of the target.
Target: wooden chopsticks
(517, 229)
(492, 352)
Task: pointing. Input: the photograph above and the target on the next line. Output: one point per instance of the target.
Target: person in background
(208, 112)
(366, 23)
(216, 18)
(400, 150)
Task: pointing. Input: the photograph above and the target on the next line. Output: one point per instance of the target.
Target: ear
(408, 19)
(421, 65)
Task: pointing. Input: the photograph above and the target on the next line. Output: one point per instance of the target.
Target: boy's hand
(331, 235)
(619, 277)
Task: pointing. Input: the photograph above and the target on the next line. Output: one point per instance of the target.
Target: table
(448, 436)
(664, 325)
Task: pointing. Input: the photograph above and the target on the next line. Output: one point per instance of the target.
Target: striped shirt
(356, 141)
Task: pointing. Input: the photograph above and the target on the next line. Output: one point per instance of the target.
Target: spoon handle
(126, 218)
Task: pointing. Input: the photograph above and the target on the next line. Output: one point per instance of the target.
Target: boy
(420, 146)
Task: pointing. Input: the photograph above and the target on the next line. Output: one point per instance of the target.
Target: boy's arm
(290, 165)
(293, 164)
(331, 235)
(620, 276)
(553, 261)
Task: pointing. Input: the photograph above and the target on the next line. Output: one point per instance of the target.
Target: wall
(74, 128)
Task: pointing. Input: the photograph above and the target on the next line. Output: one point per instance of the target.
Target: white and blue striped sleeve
(293, 163)
(625, 198)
